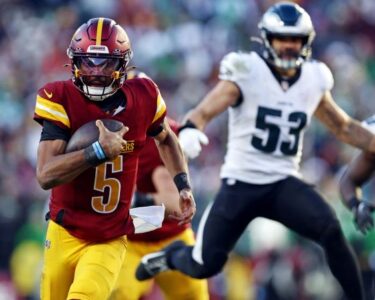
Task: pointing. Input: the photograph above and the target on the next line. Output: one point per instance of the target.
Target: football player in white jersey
(271, 99)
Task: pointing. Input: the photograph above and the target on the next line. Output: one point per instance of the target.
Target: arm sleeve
(160, 110)
(51, 131)
(50, 106)
(326, 77)
(234, 67)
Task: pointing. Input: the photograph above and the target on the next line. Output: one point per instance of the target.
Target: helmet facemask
(99, 76)
(288, 59)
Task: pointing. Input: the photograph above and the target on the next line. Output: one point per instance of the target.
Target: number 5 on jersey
(102, 181)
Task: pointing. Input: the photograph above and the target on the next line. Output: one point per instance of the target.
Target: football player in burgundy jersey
(91, 189)
(155, 185)
(271, 98)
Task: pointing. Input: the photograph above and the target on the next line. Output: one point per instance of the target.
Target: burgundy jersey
(149, 160)
(95, 205)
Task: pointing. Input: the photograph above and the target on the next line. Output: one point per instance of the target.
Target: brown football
(89, 133)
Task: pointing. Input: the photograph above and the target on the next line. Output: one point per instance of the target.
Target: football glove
(191, 141)
(363, 217)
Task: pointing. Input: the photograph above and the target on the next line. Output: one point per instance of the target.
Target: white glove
(191, 140)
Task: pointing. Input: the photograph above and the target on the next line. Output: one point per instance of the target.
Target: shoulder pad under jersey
(325, 76)
(50, 104)
(234, 66)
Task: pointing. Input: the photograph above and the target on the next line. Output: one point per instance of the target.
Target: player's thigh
(226, 218)
(97, 270)
(127, 286)
(301, 208)
(60, 257)
(176, 285)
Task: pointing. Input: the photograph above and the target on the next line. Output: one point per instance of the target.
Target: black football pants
(291, 202)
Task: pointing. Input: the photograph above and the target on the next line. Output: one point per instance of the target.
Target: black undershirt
(51, 131)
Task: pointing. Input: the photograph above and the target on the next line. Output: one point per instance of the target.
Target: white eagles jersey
(266, 129)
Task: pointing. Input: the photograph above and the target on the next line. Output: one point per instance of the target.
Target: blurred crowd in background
(179, 43)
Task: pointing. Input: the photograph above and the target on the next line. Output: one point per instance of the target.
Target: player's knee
(89, 289)
(331, 234)
(212, 265)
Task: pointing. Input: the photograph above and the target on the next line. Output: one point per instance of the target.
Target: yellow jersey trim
(160, 108)
(51, 110)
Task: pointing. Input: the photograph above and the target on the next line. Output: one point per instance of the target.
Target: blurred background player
(155, 186)
(359, 172)
(271, 99)
(92, 188)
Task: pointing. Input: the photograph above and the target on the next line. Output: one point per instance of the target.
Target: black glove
(363, 217)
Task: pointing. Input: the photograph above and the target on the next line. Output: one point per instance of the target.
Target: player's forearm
(346, 129)
(61, 169)
(222, 96)
(198, 117)
(171, 154)
(170, 200)
(355, 134)
(349, 190)
(358, 172)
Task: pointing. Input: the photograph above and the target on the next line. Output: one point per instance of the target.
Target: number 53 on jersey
(269, 144)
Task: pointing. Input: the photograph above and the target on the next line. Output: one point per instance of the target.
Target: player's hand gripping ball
(89, 133)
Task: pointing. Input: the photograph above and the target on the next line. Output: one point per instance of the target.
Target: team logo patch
(49, 95)
(97, 49)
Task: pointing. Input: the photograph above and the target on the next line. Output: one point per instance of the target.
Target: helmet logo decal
(98, 49)
(99, 31)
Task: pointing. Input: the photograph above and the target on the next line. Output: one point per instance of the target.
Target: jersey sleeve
(160, 108)
(234, 67)
(369, 123)
(326, 77)
(49, 106)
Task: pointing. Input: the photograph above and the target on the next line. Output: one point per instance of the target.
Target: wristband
(353, 202)
(181, 181)
(188, 124)
(94, 154)
(142, 199)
